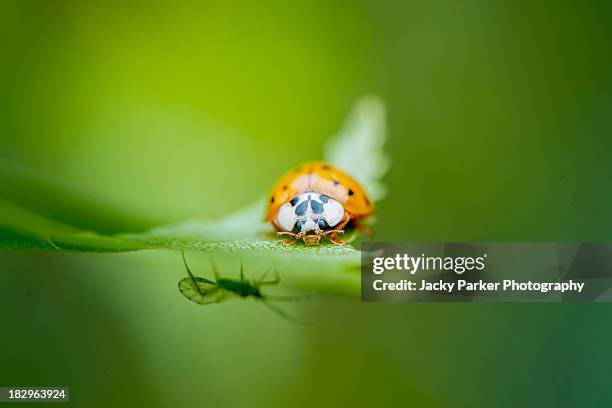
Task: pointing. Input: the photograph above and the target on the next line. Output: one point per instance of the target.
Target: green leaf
(358, 148)
(21, 228)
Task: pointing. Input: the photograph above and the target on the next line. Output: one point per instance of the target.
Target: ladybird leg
(332, 236)
(343, 223)
(339, 230)
(365, 229)
(337, 241)
(296, 237)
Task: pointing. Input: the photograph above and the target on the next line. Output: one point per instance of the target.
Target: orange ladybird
(316, 200)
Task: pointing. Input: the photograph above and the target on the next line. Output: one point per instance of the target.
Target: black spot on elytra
(272, 200)
(351, 192)
(324, 199)
(285, 187)
(316, 206)
(322, 224)
(294, 201)
(301, 209)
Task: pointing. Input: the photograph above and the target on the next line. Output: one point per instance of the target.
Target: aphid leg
(275, 281)
(261, 279)
(290, 298)
(241, 271)
(190, 275)
(215, 270)
(186, 266)
(283, 314)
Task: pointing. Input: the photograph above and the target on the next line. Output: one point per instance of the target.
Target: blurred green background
(120, 116)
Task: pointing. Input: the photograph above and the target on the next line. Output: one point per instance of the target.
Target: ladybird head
(309, 215)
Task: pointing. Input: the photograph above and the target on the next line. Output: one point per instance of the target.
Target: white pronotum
(310, 212)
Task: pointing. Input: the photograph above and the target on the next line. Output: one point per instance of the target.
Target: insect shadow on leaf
(205, 292)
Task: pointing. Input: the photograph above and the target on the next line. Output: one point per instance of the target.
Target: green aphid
(205, 292)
